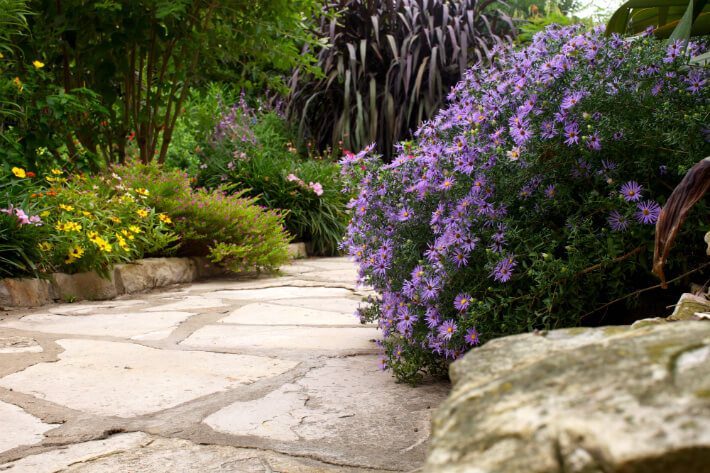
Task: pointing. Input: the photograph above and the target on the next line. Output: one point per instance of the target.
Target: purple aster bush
(530, 201)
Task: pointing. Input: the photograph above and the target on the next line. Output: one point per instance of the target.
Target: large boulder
(601, 400)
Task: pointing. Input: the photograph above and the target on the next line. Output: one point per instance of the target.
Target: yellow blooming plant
(97, 224)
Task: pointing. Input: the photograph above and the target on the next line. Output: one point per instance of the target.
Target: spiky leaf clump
(390, 65)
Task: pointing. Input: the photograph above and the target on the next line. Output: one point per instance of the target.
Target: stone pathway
(262, 375)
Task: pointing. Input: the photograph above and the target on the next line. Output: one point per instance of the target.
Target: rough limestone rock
(25, 292)
(605, 400)
(689, 306)
(81, 286)
(150, 273)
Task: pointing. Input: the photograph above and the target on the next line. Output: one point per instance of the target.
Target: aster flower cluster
(510, 208)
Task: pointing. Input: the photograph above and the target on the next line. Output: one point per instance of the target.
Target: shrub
(75, 223)
(231, 230)
(529, 202)
(21, 229)
(252, 153)
(389, 65)
(97, 222)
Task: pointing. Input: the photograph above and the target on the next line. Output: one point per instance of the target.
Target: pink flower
(317, 188)
(292, 178)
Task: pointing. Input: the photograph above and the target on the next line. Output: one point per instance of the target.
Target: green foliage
(537, 23)
(674, 19)
(388, 66)
(231, 230)
(527, 9)
(97, 222)
(253, 153)
(142, 57)
(19, 252)
(75, 223)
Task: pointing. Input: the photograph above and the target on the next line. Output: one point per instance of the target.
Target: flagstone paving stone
(18, 428)
(126, 380)
(15, 344)
(268, 374)
(128, 325)
(274, 314)
(278, 337)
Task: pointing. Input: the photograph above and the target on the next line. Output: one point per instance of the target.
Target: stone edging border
(138, 276)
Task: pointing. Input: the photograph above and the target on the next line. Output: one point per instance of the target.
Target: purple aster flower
(548, 130)
(631, 191)
(383, 364)
(447, 183)
(462, 301)
(572, 134)
(417, 273)
(472, 337)
(617, 221)
(432, 317)
(447, 329)
(550, 191)
(460, 258)
(696, 81)
(406, 320)
(571, 100)
(618, 136)
(431, 288)
(503, 271)
(404, 214)
(594, 142)
(673, 51)
(648, 212)
(398, 352)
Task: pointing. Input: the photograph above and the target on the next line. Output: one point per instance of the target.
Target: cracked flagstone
(279, 337)
(10, 345)
(272, 374)
(18, 428)
(275, 314)
(285, 292)
(132, 324)
(126, 380)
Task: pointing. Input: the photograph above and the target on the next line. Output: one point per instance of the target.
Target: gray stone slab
(18, 428)
(342, 305)
(347, 409)
(140, 453)
(263, 313)
(275, 338)
(127, 325)
(189, 303)
(60, 459)
(16, 344)
(127, 380)
(284, 292)
(606, 399)
(84, 308)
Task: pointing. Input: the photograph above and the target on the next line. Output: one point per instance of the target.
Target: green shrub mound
(230, 229)
(252, 152)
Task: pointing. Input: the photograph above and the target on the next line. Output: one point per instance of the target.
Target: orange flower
(31, 174)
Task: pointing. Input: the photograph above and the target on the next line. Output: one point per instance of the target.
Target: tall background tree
(141, 57)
